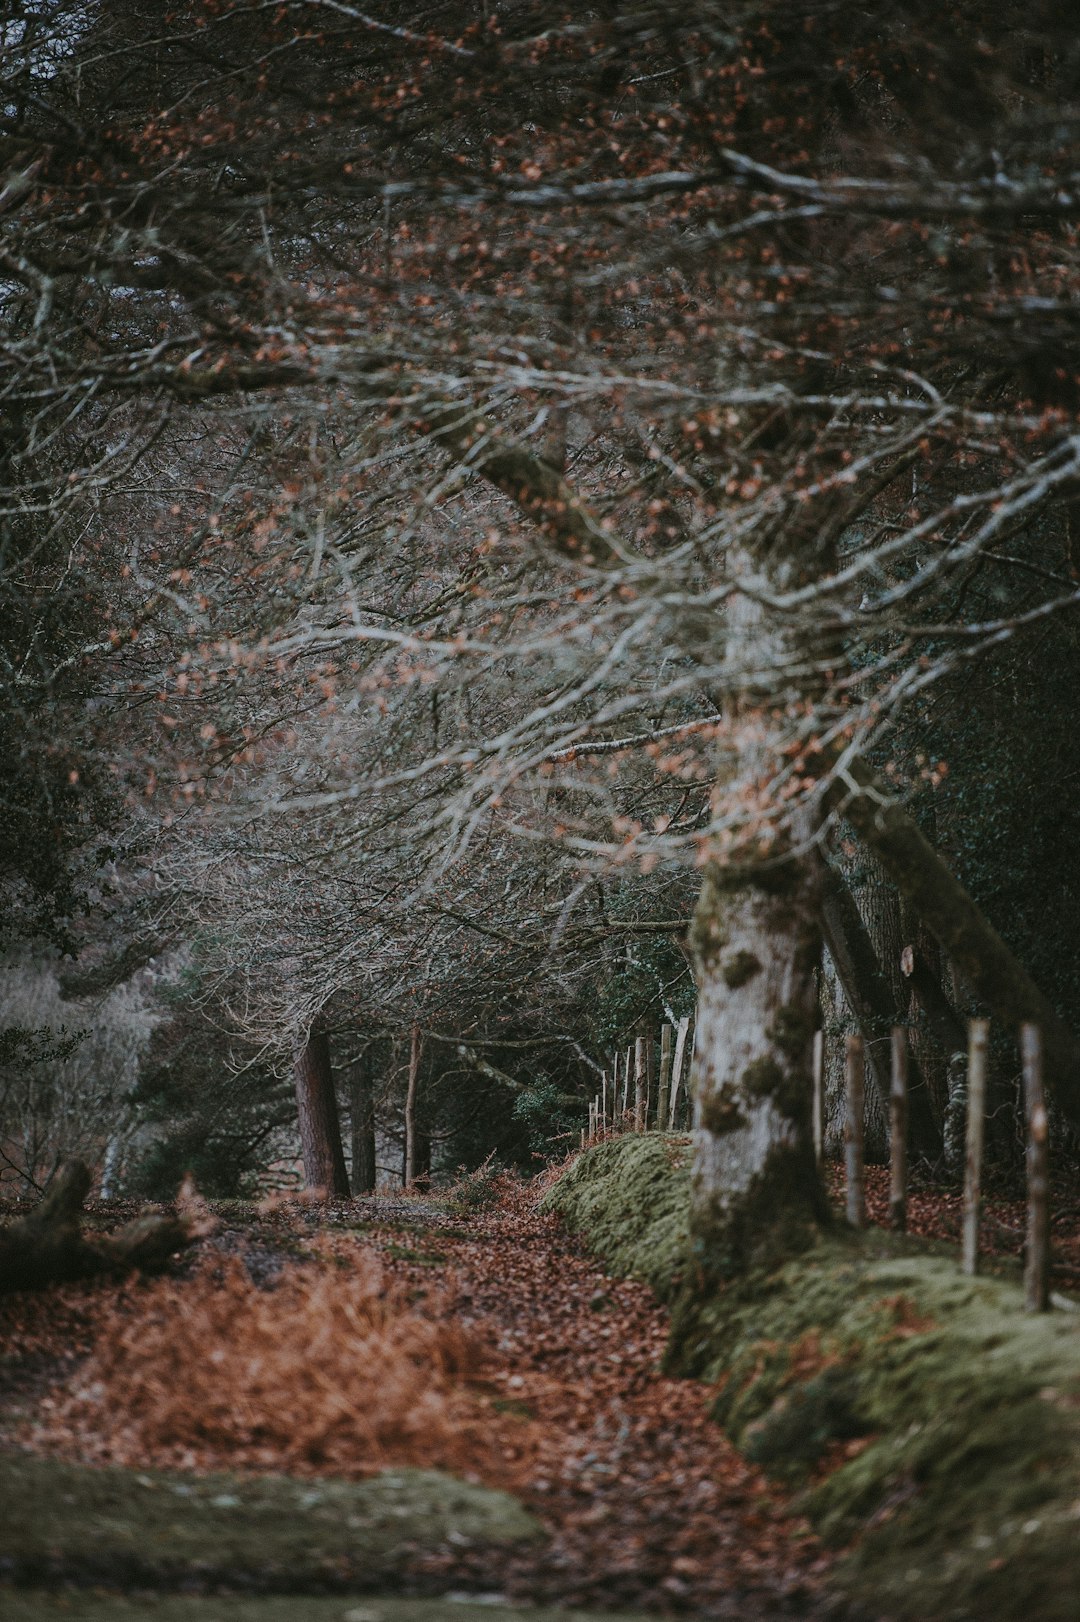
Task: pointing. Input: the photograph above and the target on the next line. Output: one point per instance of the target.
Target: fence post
(855, 1077)
(626, 1081)
(639, 1084)
(1037, 1260)
(898, 1130)
(818, 1107)
(663, 1102)
(978, 1039)
(677, 1065)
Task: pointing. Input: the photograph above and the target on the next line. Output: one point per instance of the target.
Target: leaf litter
(496, 1350)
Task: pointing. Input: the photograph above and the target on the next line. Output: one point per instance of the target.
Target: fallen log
(49, 1247)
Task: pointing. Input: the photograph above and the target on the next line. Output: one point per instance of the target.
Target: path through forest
(543, 1376)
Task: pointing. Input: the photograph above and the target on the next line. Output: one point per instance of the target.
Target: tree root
(49, 1247)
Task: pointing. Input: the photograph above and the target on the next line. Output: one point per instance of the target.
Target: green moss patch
(630, 1198)
(273, 1533)
(930, 1428)
(65, 1606)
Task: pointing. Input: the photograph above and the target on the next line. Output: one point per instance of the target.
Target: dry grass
(329, 1372)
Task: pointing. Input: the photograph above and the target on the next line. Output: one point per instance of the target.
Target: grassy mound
(275, 1533)
(933, 1430)
(630, 1197)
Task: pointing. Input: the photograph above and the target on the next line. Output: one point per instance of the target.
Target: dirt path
(645, 1506)
(646, 1503)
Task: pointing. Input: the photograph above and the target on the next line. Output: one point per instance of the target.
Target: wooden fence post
(627, 1064)
(639, 1084)
(1037, 1260)
(663, 1101)
(818, 1106)
(898, 1129)
(855, 1077)
(978, 1041)
(677, 1064)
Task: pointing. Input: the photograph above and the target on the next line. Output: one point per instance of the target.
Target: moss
(268, 1532)
(933, 1427)
(739, 968)
(776, 1217)
(631, 1197)
(791, 1030)
(721, 1110)
(762, 1078)
(95, 1606)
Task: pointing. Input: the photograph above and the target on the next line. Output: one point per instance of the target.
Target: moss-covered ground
(932, 1429)
(66, 1605)
(62, 1521)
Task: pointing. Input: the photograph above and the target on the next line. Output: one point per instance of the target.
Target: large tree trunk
(316, 1107)
(870, 998)
(362, 1120)
(972, 944)
(756, 1191)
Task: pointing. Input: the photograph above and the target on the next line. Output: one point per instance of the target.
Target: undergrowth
(328, 1372)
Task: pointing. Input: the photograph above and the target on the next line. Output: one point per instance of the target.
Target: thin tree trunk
(316, 1107)
(362, 1105)
(1037, 1259)
(855, 1079)
(979, 1039)
(411, 1146)
(898, 1129)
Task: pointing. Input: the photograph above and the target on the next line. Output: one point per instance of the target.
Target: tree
(789, 328)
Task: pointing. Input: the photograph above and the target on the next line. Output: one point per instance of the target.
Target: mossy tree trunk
(755, 1186)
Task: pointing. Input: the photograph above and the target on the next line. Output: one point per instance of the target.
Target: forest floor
(233, 1412)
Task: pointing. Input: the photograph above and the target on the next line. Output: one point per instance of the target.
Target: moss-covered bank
(65, 1605)
(274, 1533)
(933, 1430)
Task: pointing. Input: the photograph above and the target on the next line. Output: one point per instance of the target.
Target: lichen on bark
(755, 1189)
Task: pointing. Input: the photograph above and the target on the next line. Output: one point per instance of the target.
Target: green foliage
(210, 1108)
(476, 1190)
(22, 1045)
(650, 977)
(544, 1118)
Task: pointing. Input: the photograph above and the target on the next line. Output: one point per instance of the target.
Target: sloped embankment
(933, 1430)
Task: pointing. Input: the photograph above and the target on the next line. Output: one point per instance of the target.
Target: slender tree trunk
(362, 1106)
(316, 1106)
(411, 1145)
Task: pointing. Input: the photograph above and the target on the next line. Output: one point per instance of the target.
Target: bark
(755, 1191)
(48, 1246)
(871, 1000)
(970, 941)
(320, 1129)
(411, 1158)
(362, 1116)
